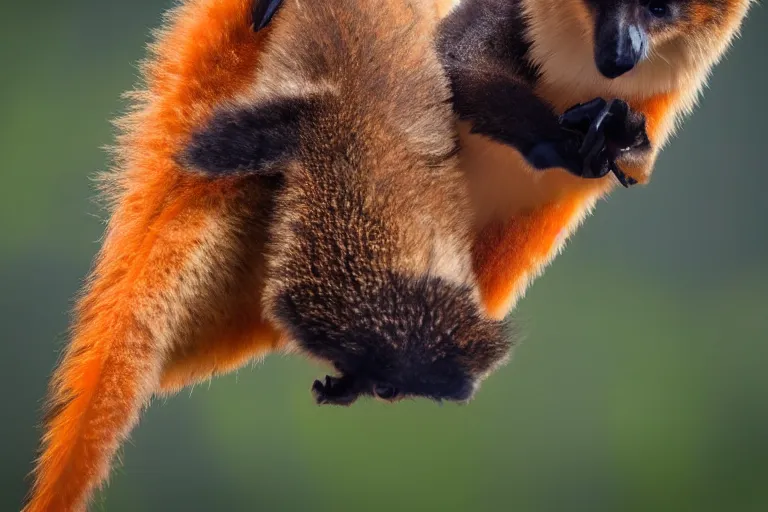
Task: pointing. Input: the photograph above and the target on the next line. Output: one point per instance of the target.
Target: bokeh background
(642, 383)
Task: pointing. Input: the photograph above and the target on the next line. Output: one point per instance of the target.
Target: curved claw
(263, 10)
(318, 391)
(579, 117)
(626, 181)
(595, 130)
(591, 158)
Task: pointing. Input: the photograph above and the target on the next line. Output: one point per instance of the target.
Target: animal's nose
(616, 66)
(619, 46)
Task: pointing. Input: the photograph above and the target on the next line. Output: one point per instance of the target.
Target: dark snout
(342, 390)
(463, 392)
(620, 43)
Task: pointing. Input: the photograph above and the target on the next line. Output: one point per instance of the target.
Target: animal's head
(629, 31)
(403, 337)
(686, 36)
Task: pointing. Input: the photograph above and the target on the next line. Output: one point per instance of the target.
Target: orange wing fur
(174, 293)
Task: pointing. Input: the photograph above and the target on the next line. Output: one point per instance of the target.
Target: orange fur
(509, 254)
(175, 294)
(657, 110)
(659, 113)
(525, 218)
(151, 286)
(701, 14)
(139, 329)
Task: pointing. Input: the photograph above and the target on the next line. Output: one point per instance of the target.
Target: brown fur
(370, 246)
(175, 294)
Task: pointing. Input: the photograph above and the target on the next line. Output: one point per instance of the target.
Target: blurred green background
(642, 383)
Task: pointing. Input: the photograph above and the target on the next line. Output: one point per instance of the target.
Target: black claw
(263, 11)
(580, 117)
(594, 159)
(595, 137)
(318, 392)
(626, 181)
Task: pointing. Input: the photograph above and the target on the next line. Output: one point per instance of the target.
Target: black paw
(594, 154)
(335, 391)
(594, 136)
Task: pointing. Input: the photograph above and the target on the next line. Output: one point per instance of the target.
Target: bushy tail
(172, 254)
(160, 280)
(111, 367)
(108, 372)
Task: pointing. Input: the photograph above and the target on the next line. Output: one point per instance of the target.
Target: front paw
(625, 134)
(594, 136)
(586, 157)
(610, 124)
(581, 148)
(625, 129)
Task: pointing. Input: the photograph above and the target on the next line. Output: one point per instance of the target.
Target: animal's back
(175, 294)
(385, 107)
(369, 264)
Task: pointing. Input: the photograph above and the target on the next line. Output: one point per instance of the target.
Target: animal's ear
(254, 139)
(263, 10)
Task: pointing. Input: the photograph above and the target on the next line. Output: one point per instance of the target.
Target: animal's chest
(564, 96)
(502, 182)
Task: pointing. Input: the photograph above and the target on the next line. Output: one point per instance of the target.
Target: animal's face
(407, 338)
(627, 32)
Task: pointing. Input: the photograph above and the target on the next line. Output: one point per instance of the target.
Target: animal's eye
(658, 8)
(385, 391)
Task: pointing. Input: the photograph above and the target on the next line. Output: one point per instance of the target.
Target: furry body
(175, 294)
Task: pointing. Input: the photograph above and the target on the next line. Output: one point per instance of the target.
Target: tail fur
(108, 372)
(173, 266)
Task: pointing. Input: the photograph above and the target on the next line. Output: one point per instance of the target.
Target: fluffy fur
(548, 48)
(174, 296)
(369, 259)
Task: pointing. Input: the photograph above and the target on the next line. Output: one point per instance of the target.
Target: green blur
(641, 384)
